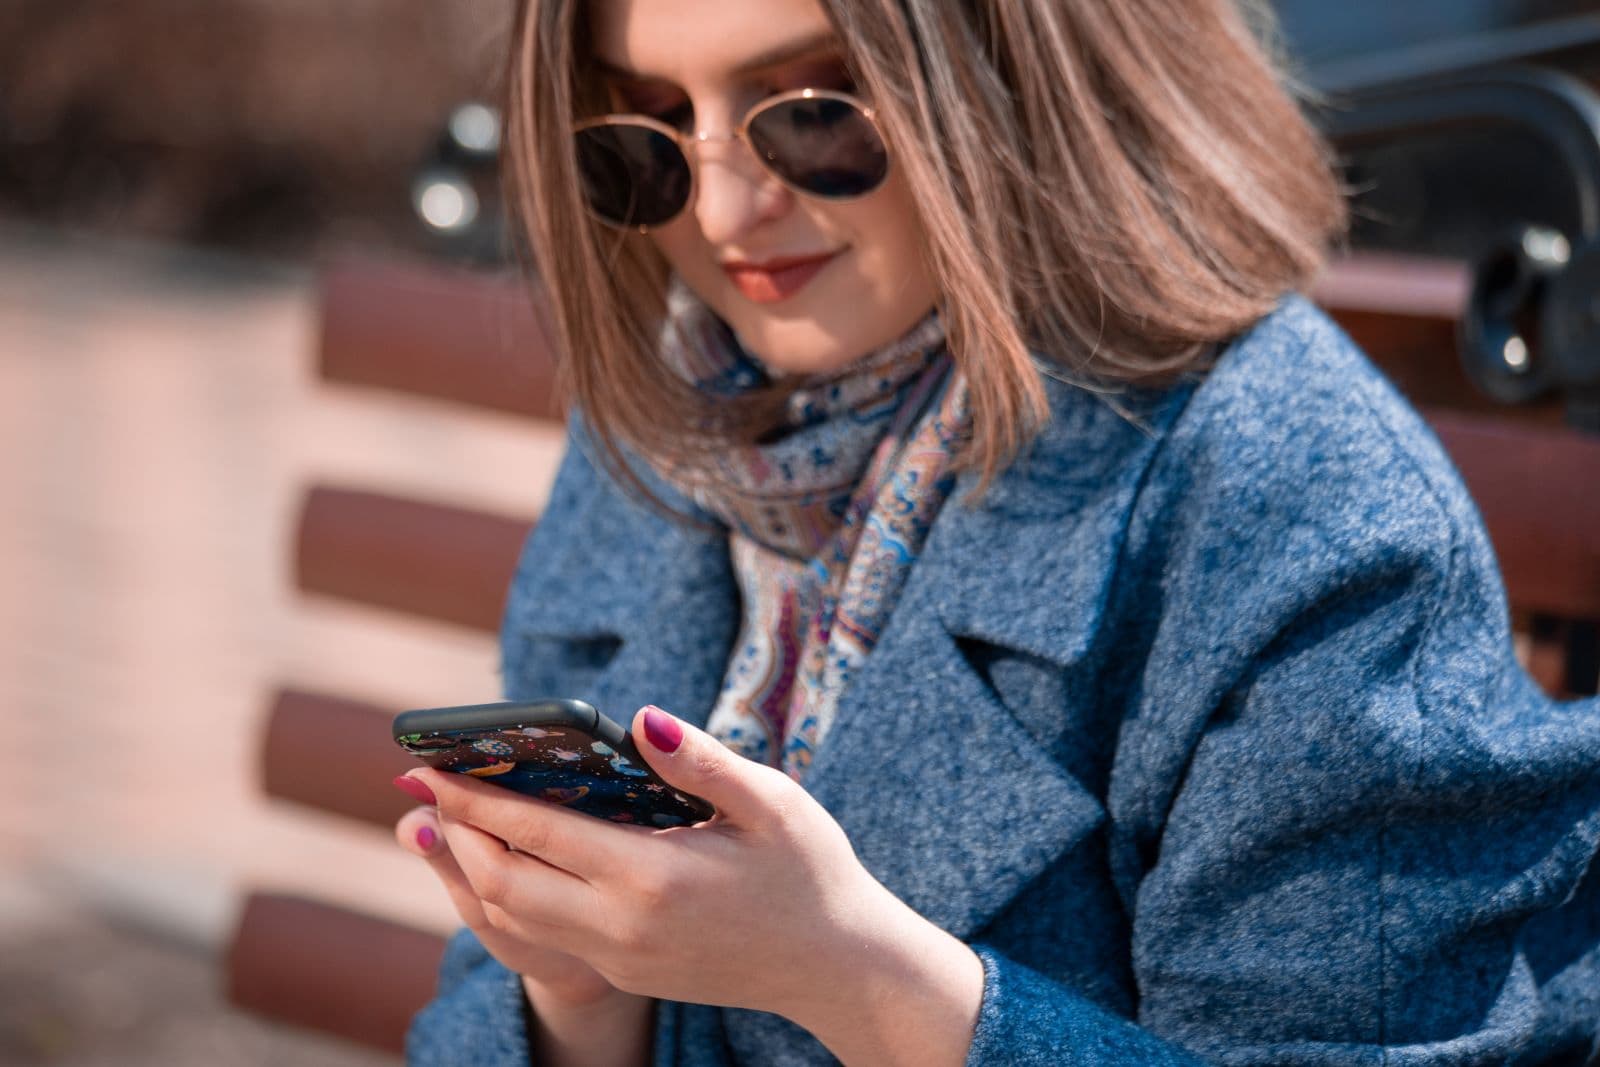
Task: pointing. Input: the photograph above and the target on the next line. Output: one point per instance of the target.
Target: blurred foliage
(272, 125)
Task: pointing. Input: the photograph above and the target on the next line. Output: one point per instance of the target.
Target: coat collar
(947, 799)
(1029, 567)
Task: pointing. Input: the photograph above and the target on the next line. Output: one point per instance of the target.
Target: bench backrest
(476, 340)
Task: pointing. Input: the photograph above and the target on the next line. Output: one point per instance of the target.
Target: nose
(733, 192)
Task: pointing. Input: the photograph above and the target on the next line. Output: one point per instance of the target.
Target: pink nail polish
(662, 730)
(426, 837)
(415, 789)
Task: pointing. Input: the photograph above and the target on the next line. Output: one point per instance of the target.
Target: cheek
(689, 258)
(676, 243)
(892, 243)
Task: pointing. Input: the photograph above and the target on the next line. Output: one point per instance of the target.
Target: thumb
(693, 761)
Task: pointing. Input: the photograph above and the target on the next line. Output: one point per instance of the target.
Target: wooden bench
(472, 339)
(457, 337)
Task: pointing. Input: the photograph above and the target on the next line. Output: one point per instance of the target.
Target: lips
(777, 279)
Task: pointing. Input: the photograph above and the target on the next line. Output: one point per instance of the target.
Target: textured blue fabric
(1203, 727)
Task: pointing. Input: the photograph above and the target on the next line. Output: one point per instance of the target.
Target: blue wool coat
(1202, 727)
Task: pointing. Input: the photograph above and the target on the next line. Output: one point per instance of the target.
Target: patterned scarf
(825, 520)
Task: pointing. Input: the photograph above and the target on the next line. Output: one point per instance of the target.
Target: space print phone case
(562, 751)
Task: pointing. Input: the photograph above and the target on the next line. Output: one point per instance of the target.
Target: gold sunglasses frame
(740, 133)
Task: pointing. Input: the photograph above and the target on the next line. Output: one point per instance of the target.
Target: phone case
(563, 751)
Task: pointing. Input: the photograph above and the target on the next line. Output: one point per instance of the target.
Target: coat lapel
(948, 800)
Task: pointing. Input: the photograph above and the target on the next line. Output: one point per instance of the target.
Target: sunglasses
(636, 174)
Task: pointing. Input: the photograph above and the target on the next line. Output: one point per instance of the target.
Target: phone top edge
(507, 713)
(616, 735)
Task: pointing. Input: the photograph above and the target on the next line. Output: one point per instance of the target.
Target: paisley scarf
(826, 519)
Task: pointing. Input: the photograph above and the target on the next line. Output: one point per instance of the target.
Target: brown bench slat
(329, 969)
(475, 338)
(464, 336)
(1403, 312)
(1386, 283)
(1539, 491)
(1534, 485)
(438, 561)
(334, 754)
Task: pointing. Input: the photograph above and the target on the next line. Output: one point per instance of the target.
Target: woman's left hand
(765, 906)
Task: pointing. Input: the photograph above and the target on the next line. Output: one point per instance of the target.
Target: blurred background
(175, 175)
(274, 416)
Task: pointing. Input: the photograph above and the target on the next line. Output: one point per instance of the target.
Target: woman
(1090, 657)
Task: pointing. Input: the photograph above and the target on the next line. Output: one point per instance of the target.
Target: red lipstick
(776, 279)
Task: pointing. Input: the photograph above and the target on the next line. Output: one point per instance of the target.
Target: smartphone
(563, 751)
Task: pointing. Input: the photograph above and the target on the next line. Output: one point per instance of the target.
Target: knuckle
(629, 930)
(786, 788)
(534, 833)
(626, 974)
(783, 801)
(493, 885)
(781, 791)
(615, 968)
(653, 888)
(497, 918)
(464, 805)
(714, 770)
(475, 916)
(632, 937)
(626, 983)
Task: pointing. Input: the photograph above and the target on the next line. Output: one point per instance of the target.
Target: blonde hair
(1115, 187)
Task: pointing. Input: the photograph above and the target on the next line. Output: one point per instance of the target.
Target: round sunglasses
(636, 173)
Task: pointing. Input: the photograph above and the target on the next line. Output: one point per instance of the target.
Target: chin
(806, 334)
(800, 336)
(800, 346)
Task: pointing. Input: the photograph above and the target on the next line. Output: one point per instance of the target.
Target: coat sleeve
(479, 1016)
(1347, 827)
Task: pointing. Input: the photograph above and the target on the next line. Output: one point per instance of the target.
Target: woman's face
(699, 65)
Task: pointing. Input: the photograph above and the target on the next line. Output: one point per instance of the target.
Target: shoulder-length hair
(1114, 187)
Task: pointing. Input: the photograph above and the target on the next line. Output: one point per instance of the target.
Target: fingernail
(415, 789)
(662, 730)
(426, 837)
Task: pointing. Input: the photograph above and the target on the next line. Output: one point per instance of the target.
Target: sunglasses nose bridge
(733, 188)
(699, 139)
(748, 162)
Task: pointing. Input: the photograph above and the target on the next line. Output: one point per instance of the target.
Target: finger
(581, 844)
(523, 886)
(691, 760)
(419, 833)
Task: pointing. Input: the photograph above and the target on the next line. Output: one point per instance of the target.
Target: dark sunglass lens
(825, 146)
(632, 175)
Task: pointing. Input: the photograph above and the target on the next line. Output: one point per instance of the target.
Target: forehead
(699, 40)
